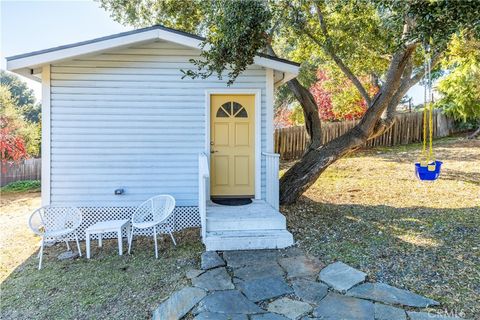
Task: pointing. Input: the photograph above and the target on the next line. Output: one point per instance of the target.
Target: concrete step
(248, 240)
(232, 223)
(255, 216)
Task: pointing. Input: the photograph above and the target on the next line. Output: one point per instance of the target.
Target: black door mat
(232, 201)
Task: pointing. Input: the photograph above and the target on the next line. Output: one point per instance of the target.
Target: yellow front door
(232, 145)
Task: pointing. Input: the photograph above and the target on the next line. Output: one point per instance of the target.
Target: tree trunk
(306, 171)
(316, 159)
(475, 134)
(310, 113)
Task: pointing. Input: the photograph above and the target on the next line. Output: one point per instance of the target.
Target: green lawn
(369, 211)
(22, 186)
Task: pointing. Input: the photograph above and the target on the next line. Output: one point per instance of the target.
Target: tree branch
(421, 73)
(408, 81)
(370, 122)
(313, 124)
(328, 47)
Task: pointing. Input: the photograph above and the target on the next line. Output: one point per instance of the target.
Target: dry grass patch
(106, 287)
(370, 211)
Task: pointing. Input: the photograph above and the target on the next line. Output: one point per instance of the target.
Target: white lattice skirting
(183, 217)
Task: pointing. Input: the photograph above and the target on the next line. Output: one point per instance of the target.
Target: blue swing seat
(423, 173)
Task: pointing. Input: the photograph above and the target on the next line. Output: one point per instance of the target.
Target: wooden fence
(29, 169)
(408, 128)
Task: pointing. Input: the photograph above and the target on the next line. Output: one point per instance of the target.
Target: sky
(34, 25)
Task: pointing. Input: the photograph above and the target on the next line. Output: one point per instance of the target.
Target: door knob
(213, 151)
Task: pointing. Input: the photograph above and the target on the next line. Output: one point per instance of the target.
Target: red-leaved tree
(283, 117)
(12, 143)
(338, 99)
(323, 97)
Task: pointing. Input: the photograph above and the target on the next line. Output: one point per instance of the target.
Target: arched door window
(232, 109)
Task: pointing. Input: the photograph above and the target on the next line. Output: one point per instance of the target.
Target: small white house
(119, 125)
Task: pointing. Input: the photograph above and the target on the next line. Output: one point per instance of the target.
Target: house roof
(26, 63)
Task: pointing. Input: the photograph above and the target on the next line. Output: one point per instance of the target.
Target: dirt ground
(16, 237)
(370, 211)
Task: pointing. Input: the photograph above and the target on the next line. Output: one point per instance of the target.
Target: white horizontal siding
(126, 119)
(124, 70)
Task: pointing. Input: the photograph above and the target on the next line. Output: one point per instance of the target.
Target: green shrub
(22, 186)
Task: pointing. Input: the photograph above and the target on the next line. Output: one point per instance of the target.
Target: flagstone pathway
(287, 284)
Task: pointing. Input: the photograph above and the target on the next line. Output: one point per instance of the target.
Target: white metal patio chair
(55, 224)
(155, 214)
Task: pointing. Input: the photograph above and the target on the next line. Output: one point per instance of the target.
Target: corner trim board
(46, 136)
(270, 105)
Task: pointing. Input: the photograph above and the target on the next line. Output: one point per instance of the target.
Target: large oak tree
(385, 39)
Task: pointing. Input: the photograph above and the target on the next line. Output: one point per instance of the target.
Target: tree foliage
(235, 34)
(336, 99)
(18, 89)
(182, 15)
(22, 95)
(460, 88)
(19, 137)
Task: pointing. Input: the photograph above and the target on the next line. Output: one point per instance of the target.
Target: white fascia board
(70, 53)
(179, 39)
(277, 65)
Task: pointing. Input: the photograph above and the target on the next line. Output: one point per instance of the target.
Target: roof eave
(39, 58)
(32, 74)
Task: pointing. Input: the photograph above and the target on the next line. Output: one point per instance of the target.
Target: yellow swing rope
(428, 108)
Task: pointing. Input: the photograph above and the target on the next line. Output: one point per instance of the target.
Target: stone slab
(67, 255)
(309, 291)
(229, 302)
(267, 316)
(335, 306)
(291, 252)
(179, 304)
(210, 260)
(384, 312)
(264, 288)
(220, 316)
(301, 266)
(214, 279)
(256, 271)
(428, 316)
(385, 293)
(238, 259)
(341, 276)
(193, 273)
(292, 309)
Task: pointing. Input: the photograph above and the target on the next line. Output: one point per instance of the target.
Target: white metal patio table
(102, 227)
